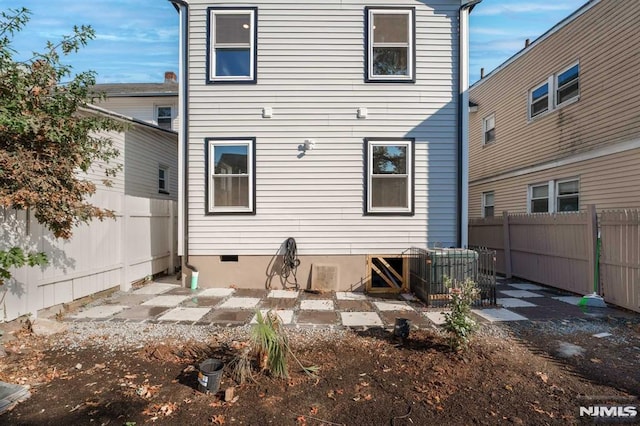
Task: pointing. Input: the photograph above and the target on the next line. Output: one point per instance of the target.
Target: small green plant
(271, 346)
(16, 257)
(458, 323)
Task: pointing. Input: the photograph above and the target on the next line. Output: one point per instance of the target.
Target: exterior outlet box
(362, 113)
(267, 112)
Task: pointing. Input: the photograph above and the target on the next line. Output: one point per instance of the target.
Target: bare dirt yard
(517, 373)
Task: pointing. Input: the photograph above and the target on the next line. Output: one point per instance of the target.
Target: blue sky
(137, 40)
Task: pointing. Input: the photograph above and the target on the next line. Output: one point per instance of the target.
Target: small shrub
(270, 344)
(458, 323)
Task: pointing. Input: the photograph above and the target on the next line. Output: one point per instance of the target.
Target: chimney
(481, 73)
(170, 77)
(527, 42)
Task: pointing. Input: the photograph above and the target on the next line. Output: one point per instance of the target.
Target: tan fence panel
(552, 249)
(620, 258)
(489, 233)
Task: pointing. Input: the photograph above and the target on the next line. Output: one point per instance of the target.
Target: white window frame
(553, 93)
(409, 144)
(550, 92)
(485, 205)
(410, 45)
(550, 199)
(170, 117)
(211, 143)
(557, 88)
(557, 195)
(252, 12)
(165, 169)
(485, 129)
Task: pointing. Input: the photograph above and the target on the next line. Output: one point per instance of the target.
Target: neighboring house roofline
(122, 117)
(566, 21)
(136, 89)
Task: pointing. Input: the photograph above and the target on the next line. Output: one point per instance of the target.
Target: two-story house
(557, 126)
(334, 123)
(155, 103)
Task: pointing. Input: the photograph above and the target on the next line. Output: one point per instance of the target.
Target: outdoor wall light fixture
(267, 112)
(309, 144)
(362, 113)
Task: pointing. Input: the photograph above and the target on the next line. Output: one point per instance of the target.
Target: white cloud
(527, 7)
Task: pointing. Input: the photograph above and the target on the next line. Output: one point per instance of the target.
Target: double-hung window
(567, 195)
(390, 44)
(568, 84)
(164, 117)
(163, 179)
(232, 44)
(539, 198)
(489, 129)
(558, 90)
(389, 170)
(539, 100)
(554, 196)
(488, 199)
(230, 176)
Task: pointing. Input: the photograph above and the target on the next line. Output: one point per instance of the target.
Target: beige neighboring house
(155, 103)
(557, 126)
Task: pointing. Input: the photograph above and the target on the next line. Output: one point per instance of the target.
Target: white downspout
(465, 9)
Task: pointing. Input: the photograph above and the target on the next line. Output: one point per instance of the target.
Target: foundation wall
(345, 273)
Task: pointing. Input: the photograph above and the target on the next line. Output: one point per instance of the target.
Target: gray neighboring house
(335, 123)
(155, 103)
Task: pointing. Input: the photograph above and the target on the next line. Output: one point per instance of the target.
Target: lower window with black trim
(230, 164)
(390, 176)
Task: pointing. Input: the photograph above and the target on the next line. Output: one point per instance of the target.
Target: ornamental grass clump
(458, 323)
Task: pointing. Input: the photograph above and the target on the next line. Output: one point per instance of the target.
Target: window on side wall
(568, 84)
(568, 195)
(232, 45)
(163, 179)
(230, 176)
(539, 100)
(164, 117)
(390, 44)
(487, 204)
(389, 170)
(489, 129)
(539, 198)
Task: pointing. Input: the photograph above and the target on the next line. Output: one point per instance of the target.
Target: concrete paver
(435, 317)
(513, 302)
(526, 286)
(285, 315)
(154, 288)
(216, 292)
(317, 305)
(141, 312)
(103, 311)
(350, 295)
(493, 315)
(392, 306)
(184, 314)
(360, 319)
(240, 303)
(168, 301)
(520, 294)
(317, 318)
(283, 294)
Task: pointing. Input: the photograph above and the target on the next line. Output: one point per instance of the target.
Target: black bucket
(210, 375)
(401, 328)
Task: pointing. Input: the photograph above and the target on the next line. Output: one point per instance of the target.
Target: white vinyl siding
(147, 149)
(311, 62)
(143, 108)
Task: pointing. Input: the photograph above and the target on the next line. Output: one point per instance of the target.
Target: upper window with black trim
(389, 170)
(230, 175)
(232, 45)
(390, 44)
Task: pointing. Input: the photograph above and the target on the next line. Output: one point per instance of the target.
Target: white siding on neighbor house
(311, 72)
(142, 107)
(96, 172)
(146, 150)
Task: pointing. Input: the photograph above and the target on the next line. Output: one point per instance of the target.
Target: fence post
(125, 284)
(507, 244)
(172, 264)
(592, 238)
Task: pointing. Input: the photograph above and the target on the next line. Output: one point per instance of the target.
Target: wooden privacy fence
(620, 257)
(559, 250)
(140, 241)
